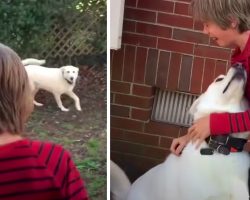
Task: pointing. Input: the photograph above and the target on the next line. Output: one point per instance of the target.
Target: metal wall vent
(172, 107)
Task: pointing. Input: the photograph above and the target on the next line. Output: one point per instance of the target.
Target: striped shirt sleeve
(73, 186)
(227, 123)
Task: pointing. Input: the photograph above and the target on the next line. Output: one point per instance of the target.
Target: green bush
(25, 24)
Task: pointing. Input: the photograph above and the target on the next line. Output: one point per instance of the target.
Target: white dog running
(58, 81)
(193, 176)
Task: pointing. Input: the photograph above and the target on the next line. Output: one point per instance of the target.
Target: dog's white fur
(119, 182)
(33, 61)
(58, 81)
(193, 176)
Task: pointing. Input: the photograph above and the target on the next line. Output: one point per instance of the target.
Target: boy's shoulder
(45, 143)
(50, 154)
(48, 148)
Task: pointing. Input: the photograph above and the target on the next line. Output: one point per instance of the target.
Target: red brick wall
(161, 47)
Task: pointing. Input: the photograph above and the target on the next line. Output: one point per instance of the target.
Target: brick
(143, 90)
(164, 129)
(159, 5)
(138, 149)
(140, 65)
(139, 102)
(140, 114)
(162, 70)
(117, 64)
(185, 73)
(208, 75)
(174, 71)
(198, 26)
(175, 20)
(139, 15)
(181, 8)
(151, 66)
(165, 142)
(183, 131)
(111, 55)
(190, 36)
(176, 46)
(116, 133)
(154, 30)
(127, 124)
(197, 73)
(220, 68)
(112, 98)
(141, 138)
(120, 111)
(129, 63)
(212, 52)
(120, 87)
(139, 40)
(129, 26)
(130, 3)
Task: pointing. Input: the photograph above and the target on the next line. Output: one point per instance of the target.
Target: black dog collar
(223, 144)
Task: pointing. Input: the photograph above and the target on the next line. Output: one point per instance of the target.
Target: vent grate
(172, 107)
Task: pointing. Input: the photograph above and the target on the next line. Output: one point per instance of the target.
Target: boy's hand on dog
(178, 144)
(200, 130)
(197, 133)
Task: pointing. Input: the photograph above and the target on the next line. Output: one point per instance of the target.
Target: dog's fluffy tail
(119, 182)
(33, 61)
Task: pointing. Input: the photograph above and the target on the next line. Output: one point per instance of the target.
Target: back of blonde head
(14, 92)
(223, 12)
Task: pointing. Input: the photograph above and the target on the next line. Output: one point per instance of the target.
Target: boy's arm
(73, 185)
(227, 123)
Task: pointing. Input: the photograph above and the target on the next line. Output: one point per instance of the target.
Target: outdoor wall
(161, 47)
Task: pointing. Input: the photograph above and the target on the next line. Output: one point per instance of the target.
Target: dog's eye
(218, 79)
(67, 71)
(74, 72)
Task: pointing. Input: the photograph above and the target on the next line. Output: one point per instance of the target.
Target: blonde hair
(223, 12)
(15, 94)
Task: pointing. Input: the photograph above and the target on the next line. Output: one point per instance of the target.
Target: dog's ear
(193, 108)
(62, 69)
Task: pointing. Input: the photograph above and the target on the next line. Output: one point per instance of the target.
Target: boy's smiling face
(223, 37)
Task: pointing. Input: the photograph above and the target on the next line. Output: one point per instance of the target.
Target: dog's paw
(37, 104)
(79, 109)
(64, 109)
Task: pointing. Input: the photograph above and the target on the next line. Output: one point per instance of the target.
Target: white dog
(119, 182)
(193, 176)
(55, 80)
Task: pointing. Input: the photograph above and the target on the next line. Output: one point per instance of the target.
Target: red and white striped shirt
(35, 170)
(226, 123)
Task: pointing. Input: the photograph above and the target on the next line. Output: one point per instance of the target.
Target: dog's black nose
(240, 71)
(71, 78)
(238, 66)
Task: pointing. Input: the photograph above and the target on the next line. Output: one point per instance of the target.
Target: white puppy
(193, 176)
(119, 182)
(58, 81)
